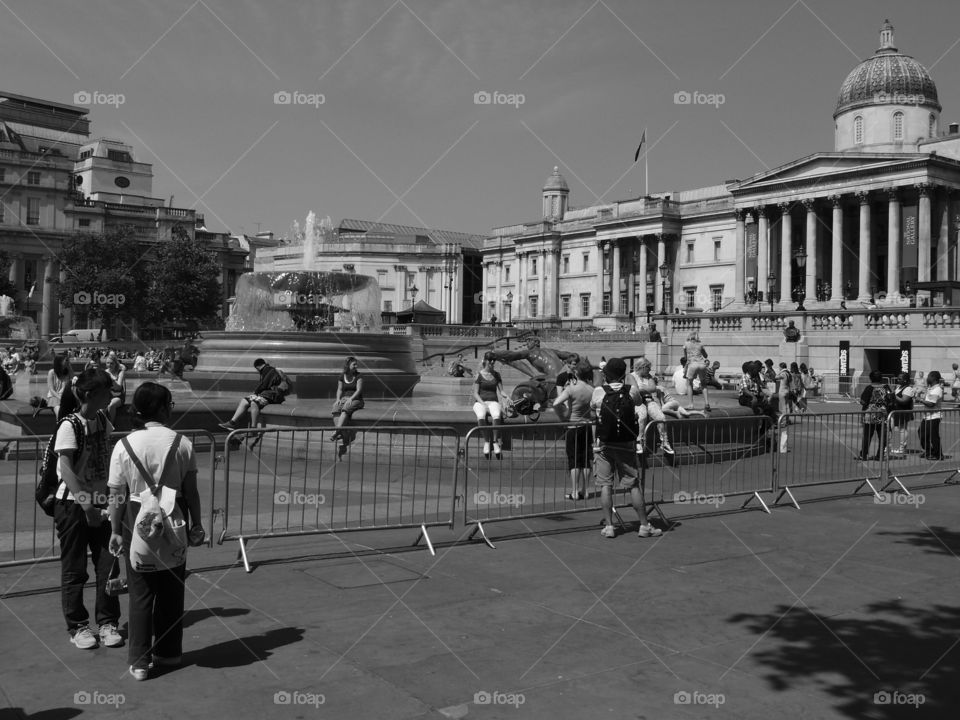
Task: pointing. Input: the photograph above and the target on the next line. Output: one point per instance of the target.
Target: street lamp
(771, 282)
(663, 287)
(509, 317)
(801, 257)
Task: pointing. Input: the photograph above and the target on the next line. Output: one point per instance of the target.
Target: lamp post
(771, 282)
(663, 288)
(801, 257)
(509, 317)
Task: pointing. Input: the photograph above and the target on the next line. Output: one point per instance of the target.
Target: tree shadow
(194, 616)
(15, 713)
(895, 654)
(935, 538)
(243, 651)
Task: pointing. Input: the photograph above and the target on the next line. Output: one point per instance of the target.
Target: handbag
(158, 540)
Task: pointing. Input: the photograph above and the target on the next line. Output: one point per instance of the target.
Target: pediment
(826, 166)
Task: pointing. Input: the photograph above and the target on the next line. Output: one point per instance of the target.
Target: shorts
(616, 467)
(488, 407)
(259, 400)
(579, 443)
(696, 370)
(347, 406)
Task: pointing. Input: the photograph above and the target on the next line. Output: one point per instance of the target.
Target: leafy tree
(6, 287)
(185, 282)
(108, 276)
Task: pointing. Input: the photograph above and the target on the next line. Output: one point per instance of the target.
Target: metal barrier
(285, 481)
(27, 535)
(907, 432)
(714, 459)
(824, 449)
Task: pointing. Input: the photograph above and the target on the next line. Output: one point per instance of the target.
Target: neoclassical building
(873, 221)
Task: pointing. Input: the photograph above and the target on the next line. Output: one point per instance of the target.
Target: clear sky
(399, 136)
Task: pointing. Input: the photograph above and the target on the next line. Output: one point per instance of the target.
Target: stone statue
(6, 305)
(542, 365)
(791, 333)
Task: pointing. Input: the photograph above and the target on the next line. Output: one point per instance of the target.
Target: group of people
(878, 400)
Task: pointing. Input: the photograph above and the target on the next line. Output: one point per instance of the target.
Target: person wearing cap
(488, 391)
(617, 462)
(266, 393)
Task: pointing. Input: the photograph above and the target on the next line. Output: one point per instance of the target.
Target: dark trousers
(869, 429)
(76, 537)
(156, 614)
(929, 433)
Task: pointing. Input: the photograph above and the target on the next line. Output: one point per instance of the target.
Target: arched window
(858, 130)
(898, 126)
(933, 125)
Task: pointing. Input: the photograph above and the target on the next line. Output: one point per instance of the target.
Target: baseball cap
(614, 370)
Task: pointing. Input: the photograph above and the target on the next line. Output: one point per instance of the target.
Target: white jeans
(487, 407)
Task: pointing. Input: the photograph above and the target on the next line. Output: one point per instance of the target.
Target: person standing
(81, 446)
(876, 400)
(156, 598)
(696, 355)
(573, 405)
(903, 395)
(930, 424)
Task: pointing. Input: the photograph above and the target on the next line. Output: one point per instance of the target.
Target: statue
(529, 397)
(6, 305)
(791, 333)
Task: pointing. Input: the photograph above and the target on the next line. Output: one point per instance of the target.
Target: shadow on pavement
(245, 650)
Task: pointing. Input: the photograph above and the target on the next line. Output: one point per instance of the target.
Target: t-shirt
(680, 380)
(93, 479)
(934, 394)
(487, 387)
(580, 396)
(694, 351)
(599, 392)
(151, 446)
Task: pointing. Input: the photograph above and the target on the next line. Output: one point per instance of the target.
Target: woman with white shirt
(58, 380)
(930, 424)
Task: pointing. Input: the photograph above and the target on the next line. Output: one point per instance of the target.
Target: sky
(384, 121)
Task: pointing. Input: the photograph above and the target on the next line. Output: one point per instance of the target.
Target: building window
(534, 305)
(716, 249)
(689, 297)
(533, 266)
(119, 156)
(388, 305)
(33, 177)
(585, 305)
(622, 308)
(858, 130)
(606, 304)
(566, 264)
(586, 262)
(83, 222)
(507, 312)
(716, 296)
(506, 273)
(86, 154)
(933, 125)
(689, 252)
(382, 278)
(33, 211)
(565, 305)
(898, 126)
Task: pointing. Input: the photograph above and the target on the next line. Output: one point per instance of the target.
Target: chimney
(955, 128)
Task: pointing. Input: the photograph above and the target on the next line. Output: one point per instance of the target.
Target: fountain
(306, 322)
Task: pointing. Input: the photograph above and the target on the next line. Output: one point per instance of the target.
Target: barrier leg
(617, 519)
(894, 479)
(483, 535)
(663, 518)
(950, 480)
(786, 491)
(866, 481)
(759, 500)
(243, 554)
(423, 534)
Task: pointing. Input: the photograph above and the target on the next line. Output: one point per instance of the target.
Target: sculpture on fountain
(543, 365)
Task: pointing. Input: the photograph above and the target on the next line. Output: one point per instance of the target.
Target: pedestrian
(696, 355)
(148, 461)
(349, 399)
(903, 395)
(797, 388)
(82, 448)
(930, 424)
(487, 394)
(269, 391)
(573, 405)
(711, 375)
(784, 392)
(117, 372)
(650, 409)
(615, 458)
(58, 379)
(876, 401)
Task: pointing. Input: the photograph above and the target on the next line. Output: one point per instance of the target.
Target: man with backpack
(876, 401)
(615, 459)
(273, 388)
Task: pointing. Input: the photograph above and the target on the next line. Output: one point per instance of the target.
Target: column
(48, 310)
(923, 234)
(763, 248)
(541, 283)
(659, 300)
(498, 301)
(813, 267)
(615, 280)
(16, 270)
(893, 243)
(943, 242)
(399, 287)
(520, 301)
(642, 288)
(866, 248)
(632, 279)
(740, 256)
(836, 256)
(597, 304)
(555, 281)
(786, 253)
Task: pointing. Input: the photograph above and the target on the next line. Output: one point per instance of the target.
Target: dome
(556, 182)
(887, 78)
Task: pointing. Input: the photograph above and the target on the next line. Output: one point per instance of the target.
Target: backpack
(881, 402)
(285, 385)
(903, 402)
(46, 492)
(617, 419)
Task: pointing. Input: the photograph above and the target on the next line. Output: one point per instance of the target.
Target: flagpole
(646, 170)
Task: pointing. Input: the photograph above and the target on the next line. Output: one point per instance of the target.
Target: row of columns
(47, 303)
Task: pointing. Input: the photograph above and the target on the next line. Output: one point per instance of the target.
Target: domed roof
(887, 78)
(556, 181)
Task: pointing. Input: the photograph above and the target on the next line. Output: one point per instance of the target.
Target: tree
(185, 282)
(108, 276)
(6, 287)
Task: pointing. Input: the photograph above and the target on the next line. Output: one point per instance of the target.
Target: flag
(643, 139)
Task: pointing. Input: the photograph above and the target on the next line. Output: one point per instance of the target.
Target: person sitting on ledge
(458, 368)
(268, 392)
(349, 400)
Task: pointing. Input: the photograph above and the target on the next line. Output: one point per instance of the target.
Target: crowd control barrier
(908, 430)
(714, 458)
(284, 482)
(27, 535)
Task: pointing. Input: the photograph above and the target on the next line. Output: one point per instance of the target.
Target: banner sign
(909, 252)
(844, 366)
(905, 356)
(751, 245)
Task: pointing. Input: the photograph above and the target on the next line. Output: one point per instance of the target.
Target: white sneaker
(609, 531)
(497, 448)
(486, 449)
(84, 639)
(109, 635)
